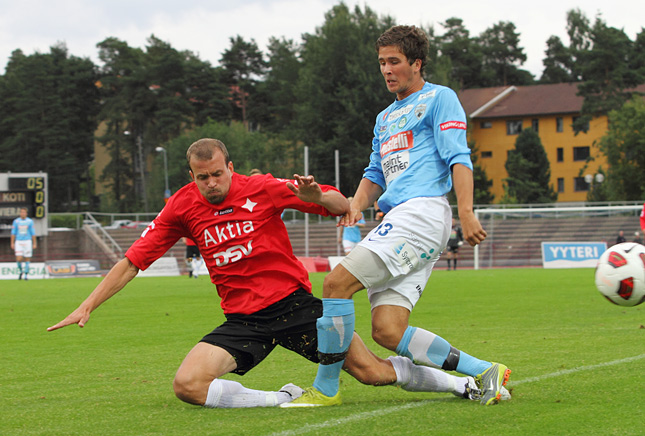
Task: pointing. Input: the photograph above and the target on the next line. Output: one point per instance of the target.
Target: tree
(274, 104)
(502, 55)
(49, 104)
(529, 171)
(464, 53)
(624, 147)
(558, 63)
(340, 92)
(127, 103)
(243, 66)
(607, 72)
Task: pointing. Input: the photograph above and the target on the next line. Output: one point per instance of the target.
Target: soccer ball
(620, 274)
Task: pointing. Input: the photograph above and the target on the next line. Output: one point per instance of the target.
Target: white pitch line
(380, 412)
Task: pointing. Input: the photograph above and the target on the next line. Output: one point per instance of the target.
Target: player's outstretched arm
(309, 191)
(472, 229)
(114, 281)
(366, 194)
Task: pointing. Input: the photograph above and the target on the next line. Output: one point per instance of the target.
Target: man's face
(401, 78)
(213, 177)
(23, 213)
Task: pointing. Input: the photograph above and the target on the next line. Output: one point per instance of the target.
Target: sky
(205, 27)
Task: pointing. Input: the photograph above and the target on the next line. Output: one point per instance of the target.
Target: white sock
(196, 265)
(419, 378)
(231, 394)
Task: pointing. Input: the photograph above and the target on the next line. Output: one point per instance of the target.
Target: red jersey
(243, 240)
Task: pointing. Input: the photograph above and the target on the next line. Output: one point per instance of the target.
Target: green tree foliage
(243, 65)
(464, 54)
(340, 92)
(149, 98)
(127, 102)
(606, 72)
(482, 184)
(624, 147)
(248, 149)
(49, 104)
(558, 63)
(529, 172)
(274, 104)
(502, 55)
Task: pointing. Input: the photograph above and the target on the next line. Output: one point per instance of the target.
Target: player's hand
(350, 218)
(79, 316)
(472, 229)
(306, 189)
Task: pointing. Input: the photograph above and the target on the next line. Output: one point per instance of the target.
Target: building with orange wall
(497, 116)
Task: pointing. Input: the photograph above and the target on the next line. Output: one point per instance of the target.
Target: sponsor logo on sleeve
(453, 125)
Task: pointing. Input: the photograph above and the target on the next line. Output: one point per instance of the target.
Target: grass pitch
(578, 361)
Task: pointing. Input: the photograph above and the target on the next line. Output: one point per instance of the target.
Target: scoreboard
(18, 190)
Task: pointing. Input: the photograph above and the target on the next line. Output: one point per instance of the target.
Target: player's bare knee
(332, 287)
(187, 389)
(385, 337)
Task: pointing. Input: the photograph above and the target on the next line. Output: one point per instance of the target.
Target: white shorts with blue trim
(407, 243)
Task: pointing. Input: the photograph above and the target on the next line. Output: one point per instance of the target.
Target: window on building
(560, 152)
(580, 153)
(514, 127)
(559, 124)
(486, 124)
(579, 184)
(486, 154)
(535, 124)
(560, 184)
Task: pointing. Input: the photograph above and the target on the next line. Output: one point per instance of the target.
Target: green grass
(569, 350)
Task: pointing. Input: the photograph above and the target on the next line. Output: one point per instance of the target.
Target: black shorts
(192, 251)
(453, 248)
(290, 323)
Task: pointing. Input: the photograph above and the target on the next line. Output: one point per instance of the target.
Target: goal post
(515, 234)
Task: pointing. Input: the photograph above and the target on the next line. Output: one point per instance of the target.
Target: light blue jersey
(353, 233)
(23, 229)
(416, 142)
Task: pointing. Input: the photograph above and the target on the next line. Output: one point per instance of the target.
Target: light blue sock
(335, 331)
(426, 348)
(19, 267)
(27, 267)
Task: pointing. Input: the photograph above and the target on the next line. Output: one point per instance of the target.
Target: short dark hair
(203, 149)
(410, 40)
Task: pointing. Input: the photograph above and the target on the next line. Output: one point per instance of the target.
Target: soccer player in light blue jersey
(419, 152)
(23, 242)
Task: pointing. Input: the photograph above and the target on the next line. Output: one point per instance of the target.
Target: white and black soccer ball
(620, 274)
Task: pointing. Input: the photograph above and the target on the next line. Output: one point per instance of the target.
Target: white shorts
(23, 248)
(406, 245)
(348, 245)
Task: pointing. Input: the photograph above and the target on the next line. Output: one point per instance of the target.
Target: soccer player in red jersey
(265, 291)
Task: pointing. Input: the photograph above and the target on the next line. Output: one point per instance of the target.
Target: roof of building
(518, 101)
(510, 101)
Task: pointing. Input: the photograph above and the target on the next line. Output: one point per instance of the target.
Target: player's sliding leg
(197, 382)
(417, 378)
(426, 348)
(335, 331)
(231, 394)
